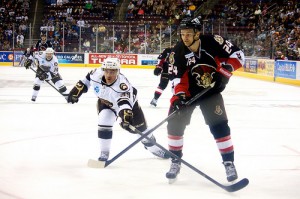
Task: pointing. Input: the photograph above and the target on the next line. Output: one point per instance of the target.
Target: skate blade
(171, 181)
(96, 164)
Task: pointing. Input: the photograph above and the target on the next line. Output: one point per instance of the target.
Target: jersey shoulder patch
(123, 87)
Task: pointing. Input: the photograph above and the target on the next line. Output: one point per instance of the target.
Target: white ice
(45, 146)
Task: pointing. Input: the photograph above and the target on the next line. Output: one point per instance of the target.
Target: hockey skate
(173, 172)
(230, 171)
(103, 156)
(153, 102)
(155, 150)
(33, 98)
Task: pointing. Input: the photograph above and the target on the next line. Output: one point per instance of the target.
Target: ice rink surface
(45, 146)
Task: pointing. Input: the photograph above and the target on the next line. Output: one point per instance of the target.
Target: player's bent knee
(36, 87)
(220, 130)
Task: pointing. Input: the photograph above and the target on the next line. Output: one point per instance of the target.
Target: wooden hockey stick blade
(96, 164)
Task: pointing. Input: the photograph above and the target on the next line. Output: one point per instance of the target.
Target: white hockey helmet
(49, 53)
(111, 63)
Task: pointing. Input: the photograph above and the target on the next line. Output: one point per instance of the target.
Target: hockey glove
(221, 77)
(126, 116)
(179, 103)
(157, 70)
(27, 63)
(42, 75)
(76, 92)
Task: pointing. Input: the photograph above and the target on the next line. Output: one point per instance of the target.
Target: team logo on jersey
(42, 48)
(202, 74)
(219, 39)
(55, 64)
(96, 89)
(123, 87)
(218, 110)
(171, 58)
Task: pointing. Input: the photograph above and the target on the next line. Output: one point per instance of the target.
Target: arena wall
(280, 71)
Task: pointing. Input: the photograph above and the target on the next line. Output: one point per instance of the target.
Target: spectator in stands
(130, 6)
(81, 23)
(87, 45)
(141, 12)
(23, 28)
(20, 40)
(59, 2)
(6, 45)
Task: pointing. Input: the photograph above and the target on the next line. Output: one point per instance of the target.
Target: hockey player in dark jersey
(162, 70)
(43, 43)
(195, 63)
(26, 57)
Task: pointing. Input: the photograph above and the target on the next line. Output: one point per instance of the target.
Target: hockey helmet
(43, 37)
(190, 23)
(111, 63)
(49, 53)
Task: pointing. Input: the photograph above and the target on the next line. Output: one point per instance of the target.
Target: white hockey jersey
(117, 96)
(47, 66)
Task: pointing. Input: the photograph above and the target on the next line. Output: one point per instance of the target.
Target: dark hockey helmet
(188, 23)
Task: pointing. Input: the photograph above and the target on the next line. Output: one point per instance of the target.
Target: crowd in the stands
(263, 28)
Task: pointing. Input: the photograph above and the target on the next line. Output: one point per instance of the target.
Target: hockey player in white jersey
(47, 69)
(116, 98)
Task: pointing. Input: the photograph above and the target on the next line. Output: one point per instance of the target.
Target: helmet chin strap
(194, 40)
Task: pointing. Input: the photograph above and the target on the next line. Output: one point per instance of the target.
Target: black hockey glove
(222, 76)
(179, 103)
(157, 70)
(27, 63)
(127, 118)
(76, 92)
(42, 75)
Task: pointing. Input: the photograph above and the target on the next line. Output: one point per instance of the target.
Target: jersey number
(172, 69)
(227, 47)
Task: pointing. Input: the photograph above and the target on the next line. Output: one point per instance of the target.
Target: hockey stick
(101, 164)
(230, 188)
(65, 95)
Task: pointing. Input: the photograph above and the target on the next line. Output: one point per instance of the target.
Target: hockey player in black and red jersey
(162, 70)
(43, 43)
(116, 98)
(195, 63)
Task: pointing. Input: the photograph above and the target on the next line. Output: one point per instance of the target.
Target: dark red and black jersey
(43, 46)
(163, 60)
(192, 72)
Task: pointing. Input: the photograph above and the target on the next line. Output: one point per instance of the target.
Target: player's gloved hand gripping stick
(100, 164)
(65, 95)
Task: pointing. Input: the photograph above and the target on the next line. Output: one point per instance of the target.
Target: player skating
(195, 63)
(116, 98)
(47, 70)
(162, 70)
(43, 43)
